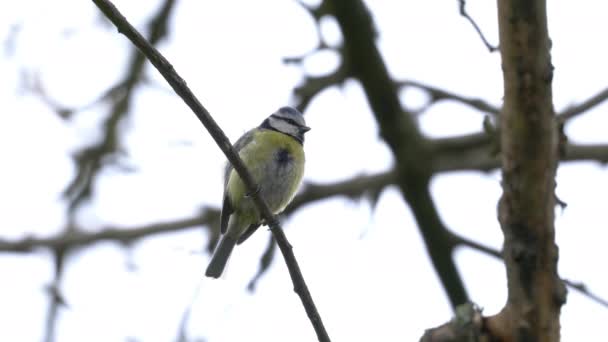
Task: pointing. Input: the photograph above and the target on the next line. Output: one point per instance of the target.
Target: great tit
(274, 155)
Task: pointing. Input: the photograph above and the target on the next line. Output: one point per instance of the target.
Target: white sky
(380, 285)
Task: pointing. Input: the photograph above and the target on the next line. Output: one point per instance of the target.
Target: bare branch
(460, 240)
(438, 94)
(529, 145)
(471, 158)
(584, 290)
(575, 285)
(265, 261)
(75, 238)
(584, 106)
(56, 301)
(479, 151)
(461, 142)
(463, 12)
(90, 160)
(316, 12)
(313, 85)
(401, 133)
(577, 152)
(352, 188)
(180, 87)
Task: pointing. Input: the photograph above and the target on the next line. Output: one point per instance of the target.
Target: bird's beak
(304, 129)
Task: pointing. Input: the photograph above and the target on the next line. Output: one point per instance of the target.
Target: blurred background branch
(417, 157)
(91, 159)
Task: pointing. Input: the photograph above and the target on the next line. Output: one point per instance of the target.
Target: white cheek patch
(283, 126)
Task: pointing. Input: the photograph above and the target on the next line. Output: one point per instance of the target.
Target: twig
(265, 261)
(352, 188)
(91, 159)
(469, 156)
(438, 94)
(399, 130)
(461, 240)
(461, 142)
(578, 286)
(75, 238)
(313, 85)
(180, 87)
(582, 107)
(582, 289)
(56, 298)
(463, 12)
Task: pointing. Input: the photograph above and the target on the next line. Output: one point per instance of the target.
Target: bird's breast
(283, 157)
(282, 170)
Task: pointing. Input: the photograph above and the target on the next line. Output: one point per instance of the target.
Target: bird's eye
(292, 121)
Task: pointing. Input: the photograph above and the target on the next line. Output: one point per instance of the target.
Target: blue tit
(274, 155)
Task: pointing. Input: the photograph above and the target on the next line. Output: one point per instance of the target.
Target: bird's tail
(220, 256)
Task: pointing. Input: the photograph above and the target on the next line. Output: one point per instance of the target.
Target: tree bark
(529, 144)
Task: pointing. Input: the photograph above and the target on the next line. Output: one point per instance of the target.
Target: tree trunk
(529, 144)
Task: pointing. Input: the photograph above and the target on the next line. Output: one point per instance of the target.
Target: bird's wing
(226, 211)
(238, 146)
(247, 233)
(227, 208)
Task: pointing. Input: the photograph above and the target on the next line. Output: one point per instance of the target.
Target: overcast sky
(365, 265)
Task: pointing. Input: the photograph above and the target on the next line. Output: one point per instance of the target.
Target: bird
(273, 153)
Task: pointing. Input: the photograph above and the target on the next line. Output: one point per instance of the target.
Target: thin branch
(75, 238)
(397, 127)
(91, 159)
(352, 188)
(265, 261)
(584, 106)
(464, 241)
(317, 12)
(179, 86)
(311, 192)
(584, 290)
(578, 152)
(438, 94)
(461, 142)
(56, 298)
(472, 158)
(479, 151)
(313, 85)
(575, 285)
(463, 12)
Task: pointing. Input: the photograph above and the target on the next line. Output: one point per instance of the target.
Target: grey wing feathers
(247, 233)
(238, 146)
(227, 208)
(226, 211)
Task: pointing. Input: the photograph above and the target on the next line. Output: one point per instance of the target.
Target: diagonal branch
(76, 237)
(438, 94)
(352, 188)
(584, 106)
(474, 158)
(180, 87)
(463, 12)
(313, 85)
(578, 286)
(90, 160)
(584, 290)
(398, 129)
